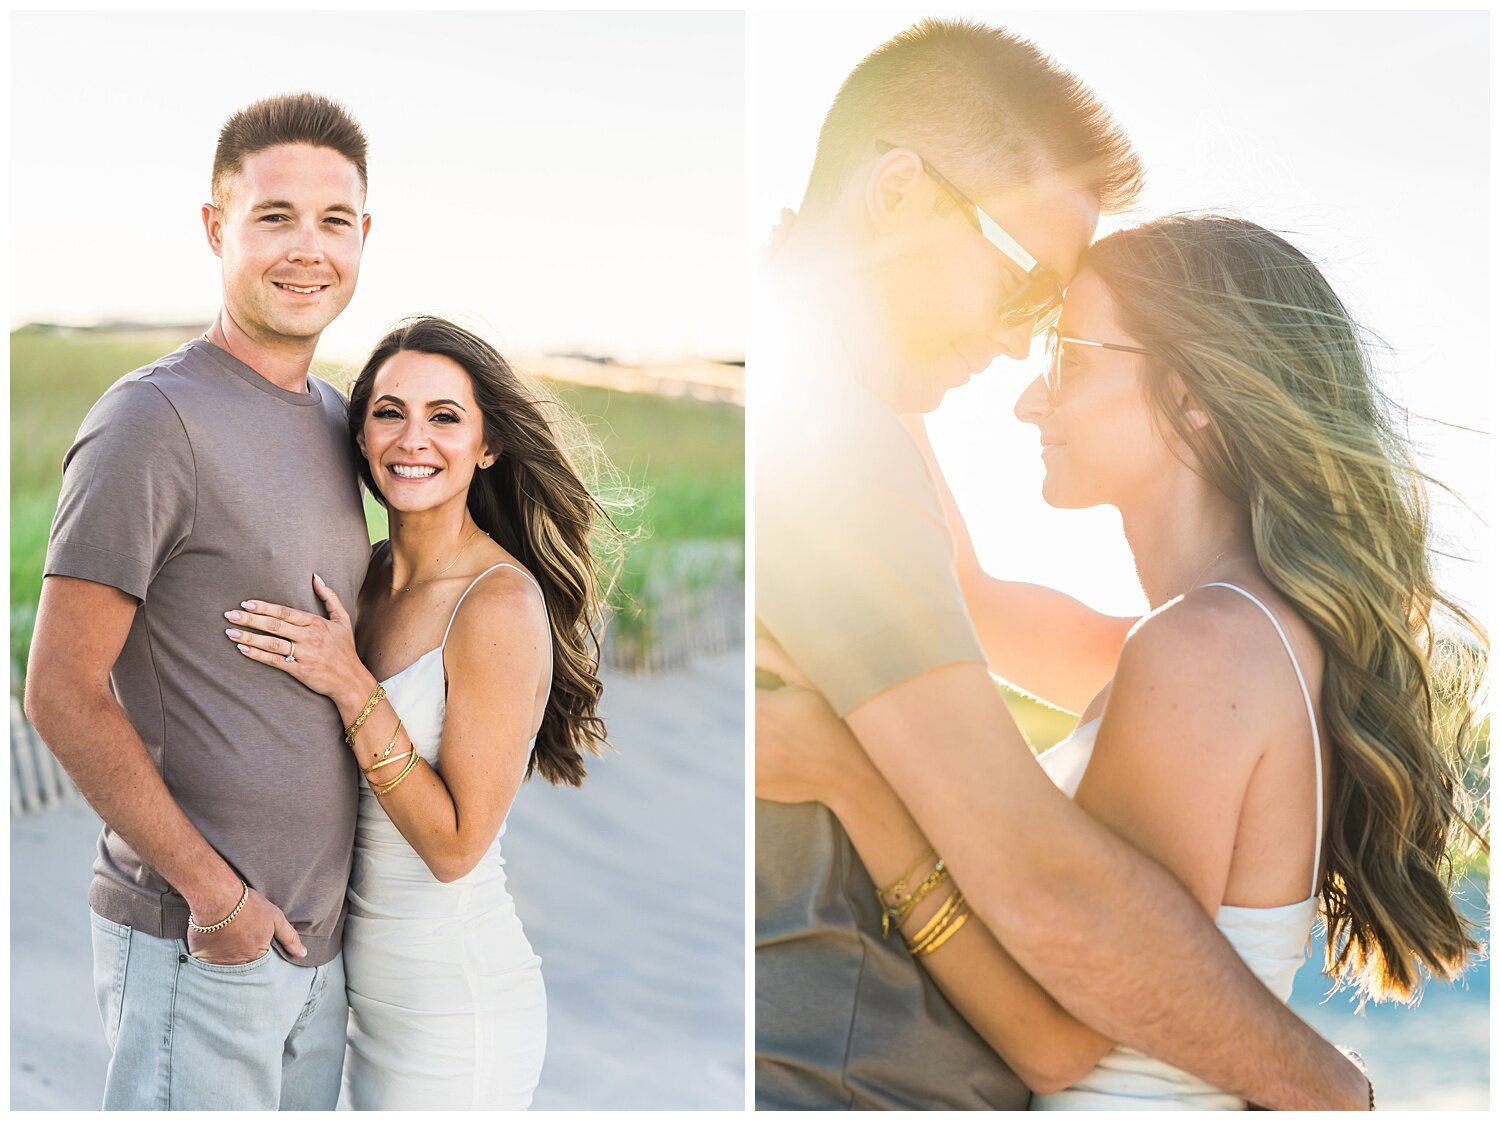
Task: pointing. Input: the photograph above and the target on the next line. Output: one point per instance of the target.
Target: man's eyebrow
(282, 204)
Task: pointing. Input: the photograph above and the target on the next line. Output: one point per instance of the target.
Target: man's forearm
(1115, 938)
(1123, 946)
(1047, 1046)
(99, 748)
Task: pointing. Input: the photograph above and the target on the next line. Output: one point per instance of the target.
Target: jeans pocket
(111, 960)
(228, 970)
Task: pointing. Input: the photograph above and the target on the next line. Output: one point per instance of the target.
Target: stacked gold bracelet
(950, 917)
(896, 915)
(896, 894)
(382, 789)
(386, 758)
(353, 729)
(899, 887)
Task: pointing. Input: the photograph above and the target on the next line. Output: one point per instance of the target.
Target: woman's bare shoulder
(1215, 645)
(503, 610)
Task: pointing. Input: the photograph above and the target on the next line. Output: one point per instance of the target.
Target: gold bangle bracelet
(385, 756)
(353, 729)
(942, 928)
(391, 787)
(382, 787)
(934, 924)
(381, 790)
(943, 936)
(387, 762)
(897, 915)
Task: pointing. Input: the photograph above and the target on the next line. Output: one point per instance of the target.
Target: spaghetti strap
(1311, 717)
(481, 576)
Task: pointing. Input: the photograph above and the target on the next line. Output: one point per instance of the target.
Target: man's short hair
(290, 118)
(985, 107)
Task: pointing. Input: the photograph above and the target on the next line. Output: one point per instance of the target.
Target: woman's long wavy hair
(535, 502)
(1303, 439)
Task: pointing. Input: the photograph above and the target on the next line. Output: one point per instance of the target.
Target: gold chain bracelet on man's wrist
(222, 923)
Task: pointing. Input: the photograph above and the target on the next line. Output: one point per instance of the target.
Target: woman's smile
(412, 472)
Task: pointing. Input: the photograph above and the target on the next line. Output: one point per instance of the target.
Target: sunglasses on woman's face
(1038, 298)
(1057, 343)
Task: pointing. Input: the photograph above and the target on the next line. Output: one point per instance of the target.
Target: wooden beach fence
(37, 780)
(685, 625)
(688, 624)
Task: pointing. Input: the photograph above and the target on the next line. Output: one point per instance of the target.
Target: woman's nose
(1033, 404)
(414, 435)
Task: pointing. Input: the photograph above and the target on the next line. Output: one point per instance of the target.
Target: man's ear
(889, 185)
(213, 228)
(364, 227)
(779, 235)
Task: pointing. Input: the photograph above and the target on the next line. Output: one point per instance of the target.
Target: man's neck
(284, 367)
(820, 299)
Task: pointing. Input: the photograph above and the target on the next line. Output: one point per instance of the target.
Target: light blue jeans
(184, 1034)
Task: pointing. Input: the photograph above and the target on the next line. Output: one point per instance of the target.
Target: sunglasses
(1038, 298)
(1056, 344)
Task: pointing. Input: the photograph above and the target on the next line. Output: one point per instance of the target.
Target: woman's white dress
(446, 1004)
(1272, 941)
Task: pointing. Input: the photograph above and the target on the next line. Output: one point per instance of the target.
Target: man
(220, 473)
(959, 176)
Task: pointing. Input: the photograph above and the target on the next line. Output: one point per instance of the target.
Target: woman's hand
(803, 751)
(318, 652)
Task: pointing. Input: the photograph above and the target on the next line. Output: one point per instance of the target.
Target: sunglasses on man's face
(1038, 298)
(1057, 343)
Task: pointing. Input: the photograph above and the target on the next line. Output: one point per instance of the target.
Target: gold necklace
(1202, 572)
(449, 565)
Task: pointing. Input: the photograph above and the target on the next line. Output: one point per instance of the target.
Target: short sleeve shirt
(855, 578)
(195, 484)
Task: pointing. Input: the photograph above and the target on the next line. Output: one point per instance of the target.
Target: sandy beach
(631, 889)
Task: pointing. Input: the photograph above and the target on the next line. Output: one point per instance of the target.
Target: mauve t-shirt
(855, 578)
(194, 484)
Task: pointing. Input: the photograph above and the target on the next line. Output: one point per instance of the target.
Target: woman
(473, 664)
(1205, 381)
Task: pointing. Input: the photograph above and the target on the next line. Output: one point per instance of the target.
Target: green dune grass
(686, 457)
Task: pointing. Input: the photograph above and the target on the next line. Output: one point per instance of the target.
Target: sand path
(631, 889)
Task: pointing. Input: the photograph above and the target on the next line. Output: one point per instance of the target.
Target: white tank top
(1272, 941)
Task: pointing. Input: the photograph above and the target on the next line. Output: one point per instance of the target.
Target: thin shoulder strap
(1312, 719)
(481, 576)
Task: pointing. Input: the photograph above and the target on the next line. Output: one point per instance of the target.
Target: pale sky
(566, 180)
(1363, 137)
